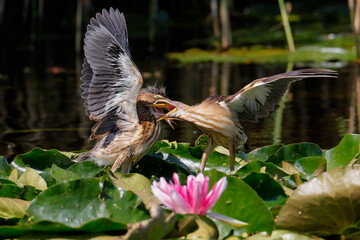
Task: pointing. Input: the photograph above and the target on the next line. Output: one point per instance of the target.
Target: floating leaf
(292, 152)
(261, 167)
(344, 152)
(32, 178)
(136, 183)
(308, 165)
(52, 229)
(41, 159)
(282, 235)
(10, 191)
(156, 227)
(75, 203)
(191, 157)
(234, 203)
(267, 188)
(150, 166)
(12, 208)
(207, 229)
(326, 205)
(263, 153)
(5, 168)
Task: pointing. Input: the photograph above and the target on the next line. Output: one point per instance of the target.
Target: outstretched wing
(111, 81)
(258, 98)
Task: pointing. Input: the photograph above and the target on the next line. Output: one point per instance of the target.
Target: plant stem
(286, 24)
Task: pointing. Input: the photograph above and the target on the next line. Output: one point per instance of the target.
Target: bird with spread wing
(219, 116)
(125, 113)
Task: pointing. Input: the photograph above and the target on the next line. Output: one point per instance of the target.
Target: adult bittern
(219, 116)
(126, 118)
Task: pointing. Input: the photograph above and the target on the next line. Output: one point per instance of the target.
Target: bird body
(126, 118)
(220, 116)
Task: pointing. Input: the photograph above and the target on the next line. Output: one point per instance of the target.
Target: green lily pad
(5, 168)
(76, 171)
(191, 157)
(75, 203)
(267, 188)
(41, 159)
(234, 203)
(48, 229)
(150, 166)
(260, 166)
(10, 191)
(344, 152)
(136, 183)
(326, 205)
(308, 165)
(263, 153)
(282, 235)
(32, 178)
(292, 152)
(12, 208)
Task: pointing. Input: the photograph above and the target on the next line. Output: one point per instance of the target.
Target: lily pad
(41, 159)
(263, 153)
(5, 168)
(282, 235)
(308, 165)
(344, 152)
(326, 205)
(234, 203)
(267, 188)
(261, 167)
(12, 208)
(292, 152)
(75, 203)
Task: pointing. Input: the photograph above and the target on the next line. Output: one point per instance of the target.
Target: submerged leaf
(326, 205)
(12, 208)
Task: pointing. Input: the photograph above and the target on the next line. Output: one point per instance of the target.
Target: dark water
(40, 103)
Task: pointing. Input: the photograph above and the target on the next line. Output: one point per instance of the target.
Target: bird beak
(165, 104)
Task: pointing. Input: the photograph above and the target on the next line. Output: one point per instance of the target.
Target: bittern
(126, 118)
(219, 116)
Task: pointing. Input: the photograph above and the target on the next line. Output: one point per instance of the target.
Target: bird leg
(232, 151)
(208, 149)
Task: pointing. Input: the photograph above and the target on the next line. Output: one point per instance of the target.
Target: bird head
(150, 96)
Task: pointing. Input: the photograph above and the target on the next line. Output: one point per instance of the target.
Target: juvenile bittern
(219, 116)
(126, 118)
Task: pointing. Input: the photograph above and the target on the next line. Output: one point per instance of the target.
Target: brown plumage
(219, 116)
(126, 118)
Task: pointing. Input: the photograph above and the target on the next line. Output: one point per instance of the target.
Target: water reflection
(40, 105)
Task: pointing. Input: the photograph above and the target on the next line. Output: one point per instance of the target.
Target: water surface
(40, 103)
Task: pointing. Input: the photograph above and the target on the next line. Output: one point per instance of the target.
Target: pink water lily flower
(192, 198)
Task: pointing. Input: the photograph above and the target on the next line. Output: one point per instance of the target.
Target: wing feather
(259, 98)
(111, 80)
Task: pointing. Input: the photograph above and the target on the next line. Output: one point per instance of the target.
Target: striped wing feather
(111, 80)
(259, 98)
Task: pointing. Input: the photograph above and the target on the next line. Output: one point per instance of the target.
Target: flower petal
(180, 205)
(227, 220)
(163, 197)
(218, 188)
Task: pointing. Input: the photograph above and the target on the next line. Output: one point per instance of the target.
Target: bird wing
(258, 98)
(111, 80)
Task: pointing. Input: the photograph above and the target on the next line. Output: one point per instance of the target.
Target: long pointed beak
(166, 116)
(168, 106)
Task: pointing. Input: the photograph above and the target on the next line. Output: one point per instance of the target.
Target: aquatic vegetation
(277, 190)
